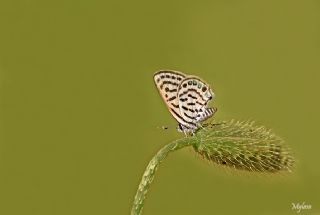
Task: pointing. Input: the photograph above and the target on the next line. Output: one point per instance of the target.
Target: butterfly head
(207, 92)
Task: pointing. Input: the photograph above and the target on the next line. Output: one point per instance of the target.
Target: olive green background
(79, 110)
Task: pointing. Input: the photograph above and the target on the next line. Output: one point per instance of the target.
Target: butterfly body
(186, 98)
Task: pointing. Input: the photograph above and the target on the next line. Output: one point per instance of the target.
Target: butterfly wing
(193, 97)
(207, 113)
(167, 83)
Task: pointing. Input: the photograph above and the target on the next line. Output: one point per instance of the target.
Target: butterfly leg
(185, 130)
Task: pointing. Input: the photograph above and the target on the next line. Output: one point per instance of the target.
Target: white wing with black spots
(186, 97)
(167, 82)
(193, 96)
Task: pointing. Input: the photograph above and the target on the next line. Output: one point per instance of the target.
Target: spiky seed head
(243, 146)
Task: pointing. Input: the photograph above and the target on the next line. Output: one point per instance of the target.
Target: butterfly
(186, 98)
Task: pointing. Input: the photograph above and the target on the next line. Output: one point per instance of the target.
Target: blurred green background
(79, 110)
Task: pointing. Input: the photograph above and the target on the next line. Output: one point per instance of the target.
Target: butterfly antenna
(203, 127)
(165, 127)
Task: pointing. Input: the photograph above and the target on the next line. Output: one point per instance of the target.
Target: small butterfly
(186, 98)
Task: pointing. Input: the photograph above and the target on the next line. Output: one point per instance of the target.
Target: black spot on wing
(191, 96)
(173, 90)
(187, 109)
(204, 88)
(184, 108)
(167, 89)
(172, 98)
(170, 74)
(174, 105)
(190, 117)
(199, 103)
(168, 82)
(180, 117)
(192, 90)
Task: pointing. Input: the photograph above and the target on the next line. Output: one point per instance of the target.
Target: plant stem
(236, 144)
(151, 169)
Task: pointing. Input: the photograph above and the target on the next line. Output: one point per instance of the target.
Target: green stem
(151, 169)
(237, 144)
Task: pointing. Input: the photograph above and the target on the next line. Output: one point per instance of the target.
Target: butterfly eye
(208, 94)
(199, 86)
(194, 82)
(189, 82)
